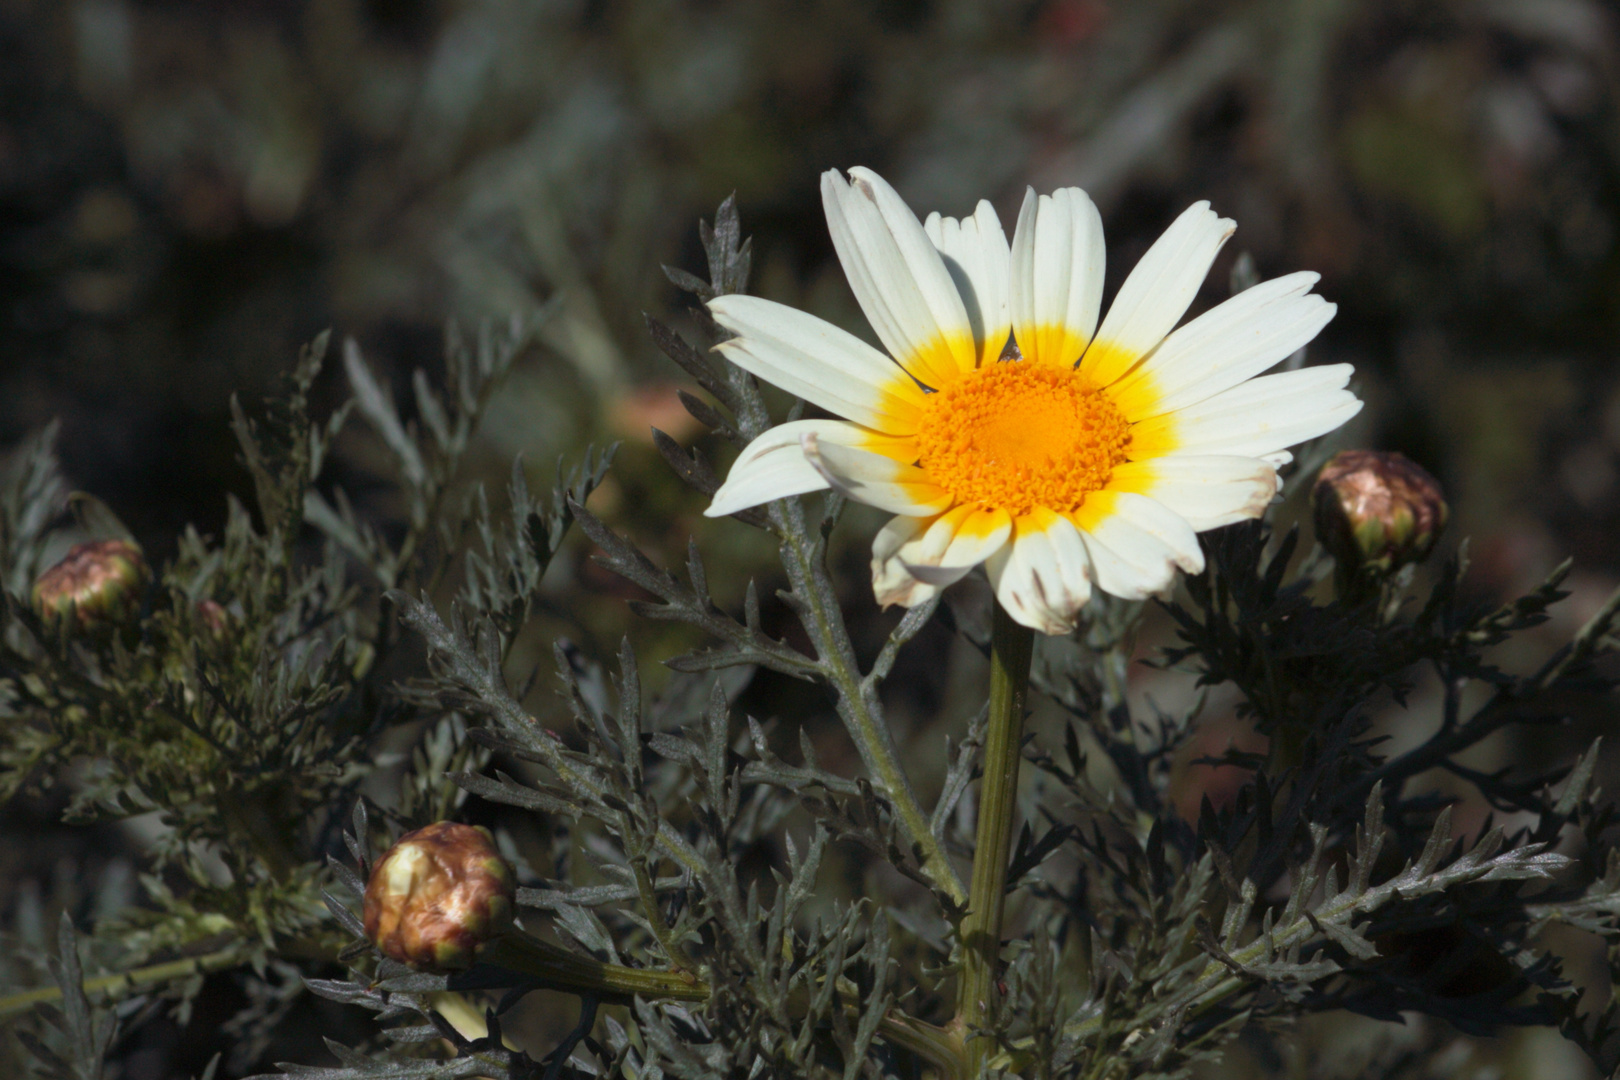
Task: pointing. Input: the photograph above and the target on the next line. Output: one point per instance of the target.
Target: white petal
(1057, 275)
(1136, 543)
(1166, 526)
(773, 466)
(1226, 345)
(1128, 562)
(905, 540)
(1253, 419)
(1157, 292)
(940, 577)
(975, 253)
(909, 554)
(815, 360)
(978, 534)
(874, 479)
(1043, 578)
(1208, 491)
(898, 277)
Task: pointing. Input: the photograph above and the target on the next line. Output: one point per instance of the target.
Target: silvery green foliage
(1140, 944)
(255, 694)
(88, 1034)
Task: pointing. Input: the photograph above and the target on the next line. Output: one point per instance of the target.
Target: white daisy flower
(1009, 428)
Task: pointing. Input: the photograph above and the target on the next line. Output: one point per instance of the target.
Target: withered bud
(212, 616)
(438, 894)
(96, 588)
(1376, 510)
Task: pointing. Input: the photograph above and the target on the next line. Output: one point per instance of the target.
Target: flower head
(96, 588)
(438, 894)
(1377, 511)
(1006, 426)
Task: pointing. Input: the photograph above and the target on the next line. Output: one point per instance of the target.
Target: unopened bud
(1376, 511)
(96, 588)
(438, 894)
(212, 616)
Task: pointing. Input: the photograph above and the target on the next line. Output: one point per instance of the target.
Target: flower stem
(560, 969)
(1011, 647)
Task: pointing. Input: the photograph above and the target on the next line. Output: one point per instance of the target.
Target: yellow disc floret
(1016, 435)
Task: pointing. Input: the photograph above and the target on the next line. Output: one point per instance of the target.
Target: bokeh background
(189, 190)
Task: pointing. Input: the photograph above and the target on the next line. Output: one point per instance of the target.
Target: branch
(125, 983)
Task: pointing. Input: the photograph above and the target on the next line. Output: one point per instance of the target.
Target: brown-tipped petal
(1376, 510)
(96, 588)
(438, 894)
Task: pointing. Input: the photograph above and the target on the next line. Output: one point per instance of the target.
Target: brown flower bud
(212, 617)
(438, 894)
(96, 588)
(1377, 511)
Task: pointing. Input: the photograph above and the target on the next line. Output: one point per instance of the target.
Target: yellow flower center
(1017, 435)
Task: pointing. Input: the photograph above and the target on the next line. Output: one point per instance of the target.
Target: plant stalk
(561, 969)
(858, 704)
(804, 560)
(1287, 750)
(113, 987)
(1011, 647)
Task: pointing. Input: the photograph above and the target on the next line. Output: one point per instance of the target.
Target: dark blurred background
(189, 190)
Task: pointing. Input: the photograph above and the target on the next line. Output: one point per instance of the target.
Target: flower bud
(212, 617)
(1377, 511)
(438, 894)
(96, 588)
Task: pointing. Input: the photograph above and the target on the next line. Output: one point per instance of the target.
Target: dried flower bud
(438, 894)
(96, 588)
(1377, 511)
(213, 617)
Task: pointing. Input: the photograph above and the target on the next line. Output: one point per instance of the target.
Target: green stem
(858, 704)
(564, 970)
(130, 982)
(655, 918)
(528, 955)
(1011, 647)
(1287, 750)
(571, 972)
(804, 560)
(940, 1047)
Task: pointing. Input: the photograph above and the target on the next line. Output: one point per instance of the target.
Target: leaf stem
(1011, 647)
